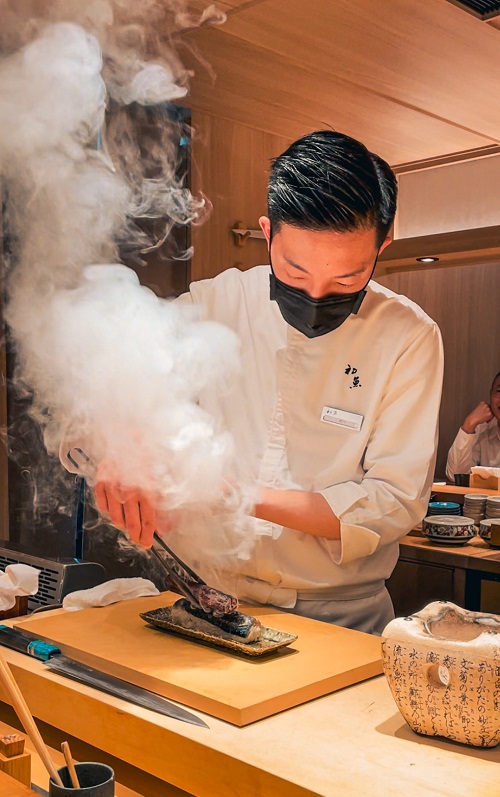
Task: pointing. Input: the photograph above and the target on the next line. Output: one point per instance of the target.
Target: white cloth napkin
(484, 471)
(17, 580)
(119, 589)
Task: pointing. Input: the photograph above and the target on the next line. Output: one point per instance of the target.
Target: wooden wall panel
(419, 56)
(464, 301)
(274, 92)
(4, 501)
(231, 166)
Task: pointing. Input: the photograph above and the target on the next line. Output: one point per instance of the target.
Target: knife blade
(52, 657)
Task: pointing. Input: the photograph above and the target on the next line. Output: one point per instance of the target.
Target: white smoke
(113, 368)
(128, 369)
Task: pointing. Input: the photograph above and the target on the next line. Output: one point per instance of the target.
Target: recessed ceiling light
(427, 259)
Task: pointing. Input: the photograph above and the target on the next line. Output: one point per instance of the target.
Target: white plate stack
(493, 507)
(475, 507)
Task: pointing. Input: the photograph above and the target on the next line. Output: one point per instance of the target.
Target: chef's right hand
(481, 414)
(129, 510)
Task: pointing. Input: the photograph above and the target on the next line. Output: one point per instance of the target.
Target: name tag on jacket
(351, 420)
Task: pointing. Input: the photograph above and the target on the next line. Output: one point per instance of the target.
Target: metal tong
(181, 578)
(171, 565)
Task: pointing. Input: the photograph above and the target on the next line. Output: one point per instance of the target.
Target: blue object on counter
(444, 508)
(33, 647)
(42, 650)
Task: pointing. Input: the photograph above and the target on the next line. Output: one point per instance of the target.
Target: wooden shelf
(452, 489)
(464, 247)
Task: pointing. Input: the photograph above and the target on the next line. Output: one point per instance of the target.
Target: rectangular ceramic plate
(270, 639)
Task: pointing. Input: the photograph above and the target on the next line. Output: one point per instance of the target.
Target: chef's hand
(129, 510)
(481, 414)
(135, 512)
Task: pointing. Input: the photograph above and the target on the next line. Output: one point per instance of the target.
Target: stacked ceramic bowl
(448, 529)
(493, 507)
(443, 508)
(485, 529)
(475, 506)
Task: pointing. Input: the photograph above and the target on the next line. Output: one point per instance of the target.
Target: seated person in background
(478, 439)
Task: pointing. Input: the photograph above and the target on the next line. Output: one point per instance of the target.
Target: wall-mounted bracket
(241, 234)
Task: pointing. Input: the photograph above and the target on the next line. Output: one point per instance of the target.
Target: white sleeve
(463, 454)
(399, 458)
(184, 298)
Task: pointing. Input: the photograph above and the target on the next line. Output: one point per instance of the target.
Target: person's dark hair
(329, 181)
(494, 378)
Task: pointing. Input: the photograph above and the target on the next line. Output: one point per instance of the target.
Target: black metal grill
(56, 578)
(484, 9)
(48, 582)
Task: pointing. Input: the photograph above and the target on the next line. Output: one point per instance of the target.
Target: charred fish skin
(213, 601)
(241, 626)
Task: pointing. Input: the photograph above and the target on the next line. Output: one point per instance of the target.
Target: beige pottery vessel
(443, 668)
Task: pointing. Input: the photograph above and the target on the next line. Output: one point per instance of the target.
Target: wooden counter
(39, 775)
(468, 575)
(12, 788)
(474, 555)
(353, 742)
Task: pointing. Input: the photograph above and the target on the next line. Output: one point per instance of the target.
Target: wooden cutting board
(117, 641)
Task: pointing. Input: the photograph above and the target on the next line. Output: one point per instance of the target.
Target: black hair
(329, 181)
(495, 378)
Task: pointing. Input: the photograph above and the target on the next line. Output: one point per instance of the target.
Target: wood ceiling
(413, 79)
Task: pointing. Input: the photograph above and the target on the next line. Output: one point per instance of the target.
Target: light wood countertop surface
(352, 742)
(9, 787)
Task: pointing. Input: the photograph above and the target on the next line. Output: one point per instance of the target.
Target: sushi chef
(338, 401)
(478, 439)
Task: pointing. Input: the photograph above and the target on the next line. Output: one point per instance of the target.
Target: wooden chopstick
(21, 708)
(71, 765)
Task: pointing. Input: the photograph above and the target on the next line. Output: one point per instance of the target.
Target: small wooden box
(11, 745)
(13, 760)
(20, 608)
(483, 482)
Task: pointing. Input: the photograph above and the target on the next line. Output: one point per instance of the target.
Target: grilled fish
(238, 626)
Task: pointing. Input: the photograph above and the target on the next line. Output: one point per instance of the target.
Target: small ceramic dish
(448, 529)
(270, 639)
(485, 528)
(443, 508)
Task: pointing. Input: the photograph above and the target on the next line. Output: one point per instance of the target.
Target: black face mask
(314, 317)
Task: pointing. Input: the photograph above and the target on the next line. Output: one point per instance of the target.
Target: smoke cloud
(87, 153)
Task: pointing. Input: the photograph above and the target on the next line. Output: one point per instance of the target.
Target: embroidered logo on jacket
(352, 371)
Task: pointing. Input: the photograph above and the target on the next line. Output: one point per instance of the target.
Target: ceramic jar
(443, 668)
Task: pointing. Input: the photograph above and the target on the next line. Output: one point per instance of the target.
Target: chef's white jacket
(480, 448)
(384, 368)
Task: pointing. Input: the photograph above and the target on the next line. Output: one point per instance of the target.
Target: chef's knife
(54, 660)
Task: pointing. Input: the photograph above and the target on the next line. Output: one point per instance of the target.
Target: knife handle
(17, 640)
